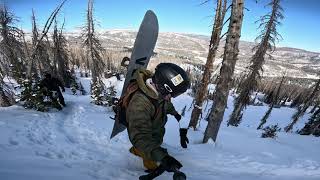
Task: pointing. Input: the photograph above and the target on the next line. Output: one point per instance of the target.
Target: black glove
(63, 89)
(170, 164)
(178, 117)
(183, 137)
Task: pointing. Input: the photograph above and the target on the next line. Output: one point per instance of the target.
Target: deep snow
(74, 144)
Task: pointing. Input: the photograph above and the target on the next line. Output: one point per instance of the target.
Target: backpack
(121, 106)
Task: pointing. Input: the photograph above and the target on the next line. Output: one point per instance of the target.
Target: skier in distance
(52, 84)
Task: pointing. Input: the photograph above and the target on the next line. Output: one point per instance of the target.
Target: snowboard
(142, 51)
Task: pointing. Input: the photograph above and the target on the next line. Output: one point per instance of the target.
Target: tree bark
(226, 72)
(4, 99)
(214, 43)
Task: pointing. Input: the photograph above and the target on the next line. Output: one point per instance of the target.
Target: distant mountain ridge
(292, 61)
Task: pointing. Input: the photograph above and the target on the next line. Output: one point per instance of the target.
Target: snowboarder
(52, 84)
(147, 110)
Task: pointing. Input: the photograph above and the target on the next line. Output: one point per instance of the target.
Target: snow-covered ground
(74, 144)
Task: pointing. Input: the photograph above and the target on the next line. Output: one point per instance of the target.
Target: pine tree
(11, 54)
(27, 94)
(39, 102)
(11, 45)
(268, 37)
(270, 131)
(93, 50)
(32, 95)
(110, 95)
(97, 93)
(40, 61)
(74, 59)
(38, 42)
(60, 56)
(312, 124)
(303, 108)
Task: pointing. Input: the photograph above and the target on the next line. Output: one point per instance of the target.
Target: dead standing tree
(268, 37)
(11, 54)
(230, 57)
(93, 50)
(41, 61)
(213, 46)
(11, 47)
(74, 58)
(60, 55)
(39, 42)
(31, 93)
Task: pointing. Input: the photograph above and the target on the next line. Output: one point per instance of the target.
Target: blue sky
(300, 29)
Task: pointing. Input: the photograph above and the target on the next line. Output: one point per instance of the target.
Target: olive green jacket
(146, 131)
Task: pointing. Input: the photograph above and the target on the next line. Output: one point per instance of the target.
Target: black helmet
(171, 79)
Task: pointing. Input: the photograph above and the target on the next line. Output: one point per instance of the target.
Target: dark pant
(61, 99)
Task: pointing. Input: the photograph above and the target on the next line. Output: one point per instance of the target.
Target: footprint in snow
(44, 154)
(13, 142)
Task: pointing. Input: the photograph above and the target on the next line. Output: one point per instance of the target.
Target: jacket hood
(141, 75)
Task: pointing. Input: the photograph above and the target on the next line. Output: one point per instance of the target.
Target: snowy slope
(74, 144)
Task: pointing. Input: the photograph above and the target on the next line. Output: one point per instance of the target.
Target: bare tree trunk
(265, 117)
(4, 99)
(226, 72)
(214, 43)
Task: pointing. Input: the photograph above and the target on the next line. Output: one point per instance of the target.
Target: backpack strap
(122, 104)
(131, 89)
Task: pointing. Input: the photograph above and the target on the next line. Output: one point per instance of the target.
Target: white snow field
(75, 144)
